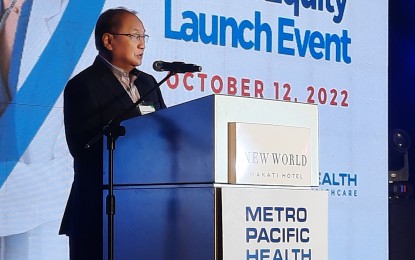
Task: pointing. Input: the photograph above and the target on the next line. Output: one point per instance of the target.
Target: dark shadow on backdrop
(402, 116)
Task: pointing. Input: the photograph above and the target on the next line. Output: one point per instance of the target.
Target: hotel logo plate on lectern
(269, 154)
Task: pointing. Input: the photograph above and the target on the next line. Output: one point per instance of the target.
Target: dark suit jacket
(91, 99)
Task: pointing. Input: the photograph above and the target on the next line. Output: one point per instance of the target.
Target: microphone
(176, 67)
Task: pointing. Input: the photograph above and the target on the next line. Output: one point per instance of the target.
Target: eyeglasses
(135, 37)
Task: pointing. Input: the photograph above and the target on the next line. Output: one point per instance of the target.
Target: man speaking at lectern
(92, 98)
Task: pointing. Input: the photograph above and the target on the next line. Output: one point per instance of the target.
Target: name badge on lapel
(146, 107)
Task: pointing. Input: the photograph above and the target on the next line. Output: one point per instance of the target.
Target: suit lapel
(111, 82)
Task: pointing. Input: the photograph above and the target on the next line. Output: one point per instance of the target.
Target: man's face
(126, 52)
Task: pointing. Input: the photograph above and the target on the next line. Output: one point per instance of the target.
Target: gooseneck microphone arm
(116, 120)
(113, 130)
(172, 68)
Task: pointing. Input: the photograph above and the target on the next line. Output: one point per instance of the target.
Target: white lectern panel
(260, 111)
(270, 223)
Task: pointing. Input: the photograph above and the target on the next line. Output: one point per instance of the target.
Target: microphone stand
(113, 130)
